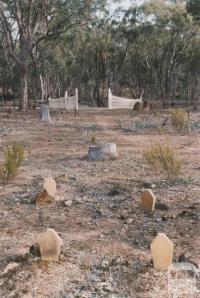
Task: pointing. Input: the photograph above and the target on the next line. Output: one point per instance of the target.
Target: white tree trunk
(103, 152)
(44, 110)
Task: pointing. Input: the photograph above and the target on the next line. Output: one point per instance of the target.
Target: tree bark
(23, 105)
(102, 152)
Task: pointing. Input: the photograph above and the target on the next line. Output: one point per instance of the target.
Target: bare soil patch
(106, 234)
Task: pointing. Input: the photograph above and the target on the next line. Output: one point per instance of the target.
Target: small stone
(161, 206)
(49, 243)
(106, 286)
(130, 221)
(62, 178)
(105, 264)
(68, 203)
(35, 250)
(148, 200)
(150, 185)
(10, 267)
(162, 251)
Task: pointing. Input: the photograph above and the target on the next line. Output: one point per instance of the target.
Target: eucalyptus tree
(26, 23)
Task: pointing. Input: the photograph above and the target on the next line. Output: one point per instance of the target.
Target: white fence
(65, 103)
(115, 102)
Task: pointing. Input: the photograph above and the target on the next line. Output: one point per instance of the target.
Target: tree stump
(44, 112)
(48, 193)
(102, 152)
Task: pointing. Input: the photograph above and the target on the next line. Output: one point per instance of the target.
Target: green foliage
(179, 120)
(193, 8)
(163, 159)
(93, 140)
(13, 158)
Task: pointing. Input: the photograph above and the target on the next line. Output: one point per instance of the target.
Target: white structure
(65, 103)
(115, 102)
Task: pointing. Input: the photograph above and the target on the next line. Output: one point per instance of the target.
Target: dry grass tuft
(179, 120)
(163, 159)
(13, 158)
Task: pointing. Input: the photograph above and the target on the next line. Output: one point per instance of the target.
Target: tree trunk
(23, 104)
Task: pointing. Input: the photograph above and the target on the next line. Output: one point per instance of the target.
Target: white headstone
(162, 251)
(49, 243)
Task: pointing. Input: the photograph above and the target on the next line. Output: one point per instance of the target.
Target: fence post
(76, 101)
(76, 98)
(66, 99)
(109, 99)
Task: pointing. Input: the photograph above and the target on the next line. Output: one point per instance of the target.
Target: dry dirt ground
(106, 234)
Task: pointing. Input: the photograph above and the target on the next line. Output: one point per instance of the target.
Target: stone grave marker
(162, 251)
(49, 243)
(148, 200)
(48, 193)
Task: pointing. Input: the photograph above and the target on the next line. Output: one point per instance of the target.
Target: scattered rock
(161, 206)
(62, 178)
(68, 203)
(97, 214)
(49, 243)
(35, 250)
(183, 259)
(10, 267)
(149, 185)
(162, 251)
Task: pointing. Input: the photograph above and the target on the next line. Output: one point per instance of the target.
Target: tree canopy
(48, 47)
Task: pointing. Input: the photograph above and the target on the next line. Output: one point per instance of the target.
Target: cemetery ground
(106, 234)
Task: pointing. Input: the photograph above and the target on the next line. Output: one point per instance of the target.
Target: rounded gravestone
(102, 152)
(162, 251)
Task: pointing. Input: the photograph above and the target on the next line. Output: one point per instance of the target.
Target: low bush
(13, 158)
(163, 159)
(180, 120)
(93, 140)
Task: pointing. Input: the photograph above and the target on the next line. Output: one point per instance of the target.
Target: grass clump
(163, 159)
(93, 140)
(179, 120)
(13, 158)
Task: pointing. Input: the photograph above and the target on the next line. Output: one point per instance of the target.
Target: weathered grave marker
(48, 193)
(162, 251)
(49, 243)
(148, 200)
(103, 152)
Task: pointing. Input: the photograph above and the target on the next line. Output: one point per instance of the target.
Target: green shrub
(13, 158)
(93, 140)
(179, 120)
(163, 159)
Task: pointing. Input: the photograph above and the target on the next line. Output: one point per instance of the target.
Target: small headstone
(148, 200)
(48, 193)
(162, 251)
(50, 186)
(49, 243)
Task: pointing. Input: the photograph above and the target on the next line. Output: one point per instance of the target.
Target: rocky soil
(97, 212)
